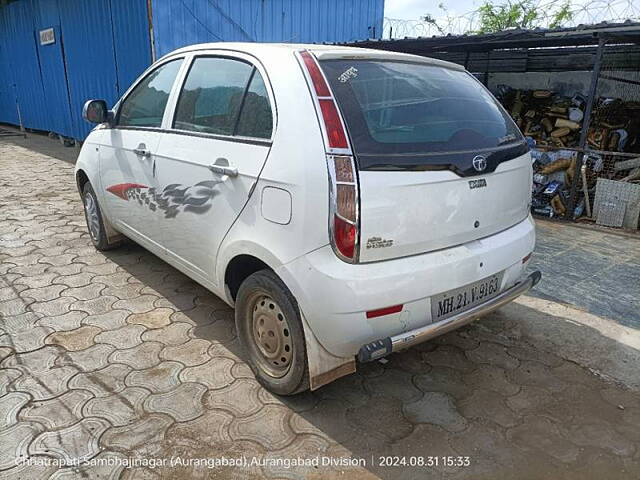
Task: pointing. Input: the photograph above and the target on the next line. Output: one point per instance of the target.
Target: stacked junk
(608, 182)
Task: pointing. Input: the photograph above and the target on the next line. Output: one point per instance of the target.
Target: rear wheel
(270, 328)
(95, 223)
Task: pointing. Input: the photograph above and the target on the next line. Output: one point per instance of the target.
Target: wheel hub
(271, 335)
(93, 221)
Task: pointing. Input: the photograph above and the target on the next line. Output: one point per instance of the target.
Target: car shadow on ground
(493, 391)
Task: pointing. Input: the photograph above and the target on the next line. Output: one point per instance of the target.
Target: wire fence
(442, 22)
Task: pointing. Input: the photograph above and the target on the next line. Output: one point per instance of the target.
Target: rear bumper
(385, 346)
(335, 296)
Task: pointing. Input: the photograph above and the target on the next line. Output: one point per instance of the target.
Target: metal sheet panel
(132, 42)
(8, 112)
(23, 70)
(178, 23)
(54, 77)
(90, 56)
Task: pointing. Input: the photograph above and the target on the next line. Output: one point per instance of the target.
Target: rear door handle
(142, 151)
(222, 167)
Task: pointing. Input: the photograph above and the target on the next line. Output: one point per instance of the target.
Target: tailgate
(407, 213)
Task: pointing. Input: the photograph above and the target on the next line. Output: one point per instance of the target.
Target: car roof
(321, 51)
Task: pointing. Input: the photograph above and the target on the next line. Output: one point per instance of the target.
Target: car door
(128, 156)
(211, 158)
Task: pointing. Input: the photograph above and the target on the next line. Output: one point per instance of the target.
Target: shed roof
(581, 35)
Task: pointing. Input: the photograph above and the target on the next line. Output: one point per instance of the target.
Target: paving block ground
(113, 358)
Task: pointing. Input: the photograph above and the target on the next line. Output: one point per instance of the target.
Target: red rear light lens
(320, 86)
(384, 311)
(333, 124)
(345, 237)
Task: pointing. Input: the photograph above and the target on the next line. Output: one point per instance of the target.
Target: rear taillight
(344, 218)
(343, 207)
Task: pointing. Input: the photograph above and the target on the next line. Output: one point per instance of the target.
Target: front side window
(144, 107)
(224, 96)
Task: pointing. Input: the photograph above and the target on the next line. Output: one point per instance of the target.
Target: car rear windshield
(400, 113)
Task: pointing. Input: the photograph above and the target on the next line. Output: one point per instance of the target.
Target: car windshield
(399, 108)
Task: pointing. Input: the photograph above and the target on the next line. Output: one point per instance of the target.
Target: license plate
(460, 299)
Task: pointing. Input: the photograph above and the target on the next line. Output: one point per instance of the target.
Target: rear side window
(256, 120)
(394, 109)
(226, 97)
(144, 106)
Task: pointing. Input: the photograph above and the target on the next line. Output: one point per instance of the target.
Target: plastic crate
(617, 204)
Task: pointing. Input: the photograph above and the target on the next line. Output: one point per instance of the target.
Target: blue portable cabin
(56, 54)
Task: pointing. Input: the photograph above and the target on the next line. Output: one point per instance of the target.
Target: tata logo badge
(477, 183)
(479, 162)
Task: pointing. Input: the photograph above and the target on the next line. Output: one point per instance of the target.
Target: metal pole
(595, 75)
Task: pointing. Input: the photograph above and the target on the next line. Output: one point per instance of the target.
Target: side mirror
(95, 111)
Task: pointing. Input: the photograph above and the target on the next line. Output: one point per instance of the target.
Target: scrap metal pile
(553, 124)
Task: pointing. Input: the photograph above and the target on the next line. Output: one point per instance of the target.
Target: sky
(414, 9)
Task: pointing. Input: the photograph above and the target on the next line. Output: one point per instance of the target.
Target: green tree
(523, 14)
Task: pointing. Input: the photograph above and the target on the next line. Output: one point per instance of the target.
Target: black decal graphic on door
(172, 200)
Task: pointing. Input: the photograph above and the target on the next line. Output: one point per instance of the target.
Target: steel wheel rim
(93, 220)
(271, 335)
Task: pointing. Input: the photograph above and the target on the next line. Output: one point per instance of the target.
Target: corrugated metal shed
(184, 22)
(101, 46)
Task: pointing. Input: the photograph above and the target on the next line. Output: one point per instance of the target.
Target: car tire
(270, 329)
(95, 222)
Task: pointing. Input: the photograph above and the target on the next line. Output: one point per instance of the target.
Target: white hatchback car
(348, 202)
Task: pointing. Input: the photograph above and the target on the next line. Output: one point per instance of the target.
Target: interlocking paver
(438, 409)
(65, 322)
(211, 428)
(140, 304)
(15, 441)
(59, 412)
(269, 427)
(123, 337)
(159, 378)
(102, 382)
(119, 409)
(158, 318)
(214, 374)
(42, 280)
(58, 306)
(191, 353)
(16, 306)
(240, 399)
(148, 429)
(182, 403)
(26, 340)
(173, 334)
(72, 340)
(111, 320)
(43, 294)
(10, 405)
(95, 306)
(46, 384)
(145, 355)
(86, 292)
(77, 441)
(15, 324)
(88, 360)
